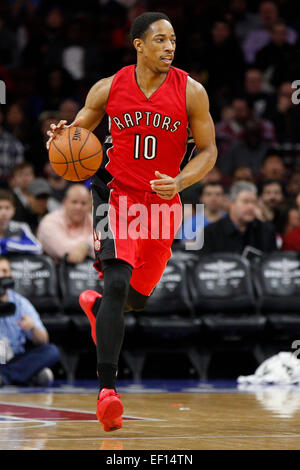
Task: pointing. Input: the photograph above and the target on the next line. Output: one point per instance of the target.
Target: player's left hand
(165, 186)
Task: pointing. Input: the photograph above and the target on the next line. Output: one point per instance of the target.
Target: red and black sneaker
(87, 300)
(109, 409)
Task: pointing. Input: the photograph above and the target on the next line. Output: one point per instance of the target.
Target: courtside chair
(36, 279)
(167, 324)
(223, 297)
(277, 281)
(73, 280)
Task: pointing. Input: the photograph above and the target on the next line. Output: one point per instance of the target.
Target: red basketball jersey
(148, 134)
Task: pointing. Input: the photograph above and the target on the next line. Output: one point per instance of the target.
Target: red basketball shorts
(135, 226)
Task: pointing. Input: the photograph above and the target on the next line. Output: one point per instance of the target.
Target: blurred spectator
(244, 21)
(213, 175)
(222, 52)
(227, 113)
(277, 58)
(273, 168)
(39, 192)
(16, 122)
(291, 240)
(73, 54)
(44, 36)
(255, 92)
(243, 173)
(288, 218)
(257, 39)
(270, 199)
(297, 200)
(27, 339)
(15, 237)
(71, 225)
(37, 152)
(68, 110)
(8, 45)
(212, 195)
(230, 131)
(11, 152)
(69, 50)
(22, 176)
(53, 86)
(293, 186)
(58, 185)
(250, 152)
(190, 194)
(21, 9)
(239, 229)
(231, 128)
(286, 115)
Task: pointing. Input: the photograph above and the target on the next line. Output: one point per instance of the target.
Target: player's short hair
(6, 195)
(142, 23)
(240, 186)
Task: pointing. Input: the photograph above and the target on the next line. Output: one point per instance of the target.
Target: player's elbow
(211, 154)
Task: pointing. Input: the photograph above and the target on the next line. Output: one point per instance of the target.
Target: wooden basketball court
(200, 419)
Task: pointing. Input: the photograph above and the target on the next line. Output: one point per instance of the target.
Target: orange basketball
(75, 154)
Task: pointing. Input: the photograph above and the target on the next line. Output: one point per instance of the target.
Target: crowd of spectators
(246, 54)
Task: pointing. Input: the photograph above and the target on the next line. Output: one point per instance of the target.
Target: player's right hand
(56, 128)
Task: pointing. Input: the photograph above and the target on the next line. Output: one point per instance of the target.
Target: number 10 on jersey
(145, 147)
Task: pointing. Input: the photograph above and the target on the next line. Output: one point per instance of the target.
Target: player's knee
(127, 308)
(140, 304)
(116, 288)
(136, 301)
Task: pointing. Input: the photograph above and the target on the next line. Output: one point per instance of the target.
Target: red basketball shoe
(109, 409)
(86, 300)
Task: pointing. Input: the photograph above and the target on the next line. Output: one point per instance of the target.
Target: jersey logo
(97, 240)
(136, 118)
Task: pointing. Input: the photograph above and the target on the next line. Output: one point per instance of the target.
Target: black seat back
(278, 281)
(35, 278)
(74, 279)
(221, 282)
(171, 294)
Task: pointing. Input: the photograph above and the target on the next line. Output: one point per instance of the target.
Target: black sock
(109, 316)
(107, 375)
(96, 306)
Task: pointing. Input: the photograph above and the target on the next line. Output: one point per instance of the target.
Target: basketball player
(150, 105)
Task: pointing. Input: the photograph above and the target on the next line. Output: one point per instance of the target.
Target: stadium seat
(277, 280)
(167, 318)
(223, 296)
(74, 279)
(35, 278)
